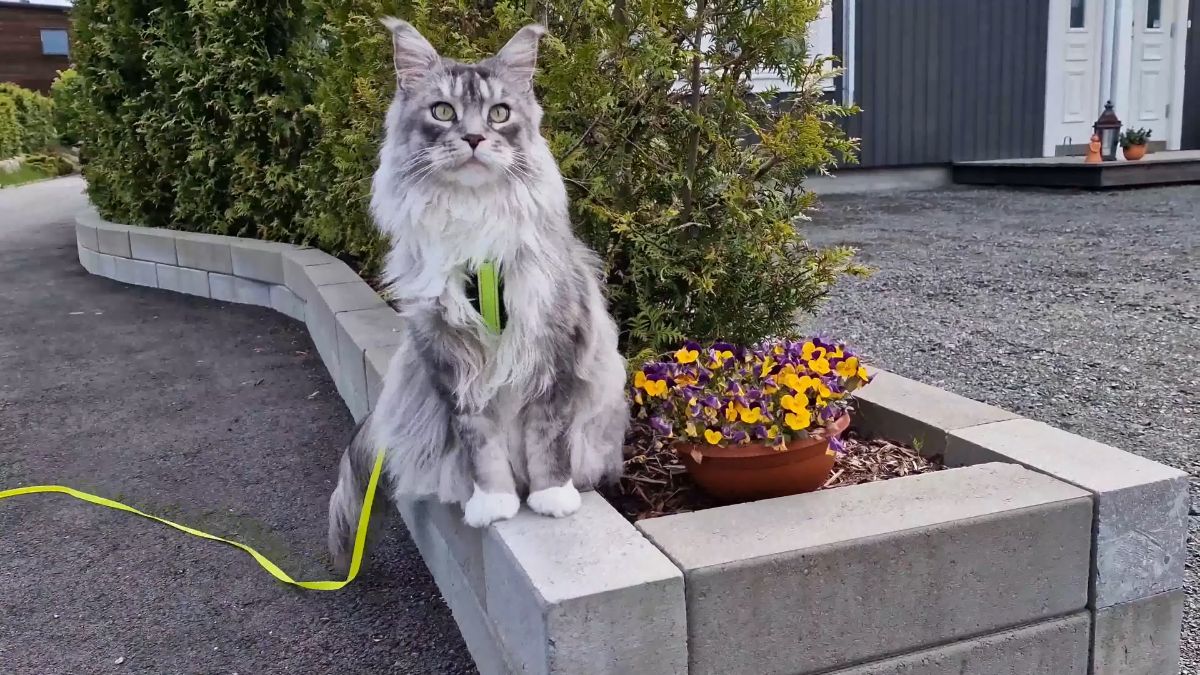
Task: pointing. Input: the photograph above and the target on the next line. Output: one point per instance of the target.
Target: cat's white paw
(485, 508)
(555, 501)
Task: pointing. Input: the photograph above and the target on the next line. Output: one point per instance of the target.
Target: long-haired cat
(467, 415)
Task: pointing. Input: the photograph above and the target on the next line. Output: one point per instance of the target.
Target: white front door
(1151, 73)
(1072, 72)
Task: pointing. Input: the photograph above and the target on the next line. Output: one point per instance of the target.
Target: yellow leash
(360, 538)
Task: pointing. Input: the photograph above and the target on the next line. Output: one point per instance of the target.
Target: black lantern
(1108, 128)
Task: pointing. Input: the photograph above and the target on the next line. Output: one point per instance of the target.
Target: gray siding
(948, 80)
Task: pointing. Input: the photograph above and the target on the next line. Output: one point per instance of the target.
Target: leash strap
(360, 538)
(489, 295)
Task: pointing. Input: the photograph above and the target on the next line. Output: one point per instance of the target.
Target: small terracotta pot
(740, 473)
(1135, 152)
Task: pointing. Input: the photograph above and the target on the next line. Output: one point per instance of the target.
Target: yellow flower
(712, 436)
(848, 367)
(637, 398)
(798, 420)
(791, 380)
(685, 355)
(794, 403)
(862, 374)
(819, 366)
(769, 389)
(690, 429)
(811, 351)
(823, 391)
(773, 433)
(806, 383)
(778, 349)
(837, 353)
(656, 387)
(639, 379)
(750, 415)
(731, 413)
(766, 367)
(710, 412)
(686, 378)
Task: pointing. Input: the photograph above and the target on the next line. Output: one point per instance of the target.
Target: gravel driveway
(1081, 310)
(218, 416)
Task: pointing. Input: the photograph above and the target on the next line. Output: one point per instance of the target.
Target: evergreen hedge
(30, 126)
(263, 119)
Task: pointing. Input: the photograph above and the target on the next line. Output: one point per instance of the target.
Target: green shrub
(10, 128)
(239, 119)
(35, 117)
(67, 92)
(195, 113)
(43, 164)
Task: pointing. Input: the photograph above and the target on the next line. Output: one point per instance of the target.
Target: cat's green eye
(499, 113)
(442, 111)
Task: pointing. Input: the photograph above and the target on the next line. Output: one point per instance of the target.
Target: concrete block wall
(531, 595)
(987, 569)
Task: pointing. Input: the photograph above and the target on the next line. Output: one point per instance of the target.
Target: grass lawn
(24, 174)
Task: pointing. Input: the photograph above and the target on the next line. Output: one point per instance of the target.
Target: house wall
(21, 58)
(1191, 86)
(947, 80)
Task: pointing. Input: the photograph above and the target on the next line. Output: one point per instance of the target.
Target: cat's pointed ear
(519, 56)
(412, 53)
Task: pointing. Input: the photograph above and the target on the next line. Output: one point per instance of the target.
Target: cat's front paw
(485, 508)
(556, 501)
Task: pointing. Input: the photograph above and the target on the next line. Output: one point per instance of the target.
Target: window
(1154, 14)
(1078, 7)
(54, 42)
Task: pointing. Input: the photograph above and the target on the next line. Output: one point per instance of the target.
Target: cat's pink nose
(473, 140)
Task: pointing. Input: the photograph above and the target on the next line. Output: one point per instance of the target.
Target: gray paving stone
(284, 301)
(584, 594)
(106, 265)
(295, 275)
(466, 606)
(136, 272)
(812, 582)
(183, 280)
(377, 360)
(259, 260)
(1140, 637)
(357, 331)
(206, 252)
(153, 245)
(87, 259)
(85, 235)
(908, 411)
(1141, 506)
(1056, 647)
(239, 290)
(113, 239)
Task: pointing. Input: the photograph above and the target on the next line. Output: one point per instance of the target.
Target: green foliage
(35, 117)
(1133, 137)
(236, 118)
(67, 94)
(24, 174)
(10, 128)
(194, 115)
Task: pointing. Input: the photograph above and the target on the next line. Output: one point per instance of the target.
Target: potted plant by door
(751, 423)
(1133, 143)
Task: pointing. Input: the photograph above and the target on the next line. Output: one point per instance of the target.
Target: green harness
(486, 293)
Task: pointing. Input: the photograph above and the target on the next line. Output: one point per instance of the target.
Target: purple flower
(758, 432)
(661, 426)
(735, 435)
(837, 445)
(711, 401)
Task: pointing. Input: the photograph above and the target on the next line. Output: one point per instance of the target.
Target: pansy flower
(848, 367)
(713, 436)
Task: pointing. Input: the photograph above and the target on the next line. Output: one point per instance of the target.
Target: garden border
(1101, 544)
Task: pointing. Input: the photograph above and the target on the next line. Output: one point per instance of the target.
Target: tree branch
(693, 147)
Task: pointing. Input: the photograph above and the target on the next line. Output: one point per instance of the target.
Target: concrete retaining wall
(1045, 554)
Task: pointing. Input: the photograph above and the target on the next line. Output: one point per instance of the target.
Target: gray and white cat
(467, 415)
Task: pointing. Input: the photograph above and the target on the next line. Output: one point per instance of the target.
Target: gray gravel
(1078, 309)
(218, 416)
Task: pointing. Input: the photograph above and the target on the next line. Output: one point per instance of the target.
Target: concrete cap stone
(908, 411)
(1140, 546)
(147, 243)
(773, 526)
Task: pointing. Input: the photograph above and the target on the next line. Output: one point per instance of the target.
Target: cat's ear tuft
(519, 56)
(412, 53)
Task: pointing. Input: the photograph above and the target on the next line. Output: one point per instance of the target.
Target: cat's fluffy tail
(346, 503)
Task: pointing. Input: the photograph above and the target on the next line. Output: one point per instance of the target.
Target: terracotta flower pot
(1135, 152)
(741, 473)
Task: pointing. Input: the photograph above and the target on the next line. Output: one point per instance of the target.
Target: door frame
(1115, 65)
